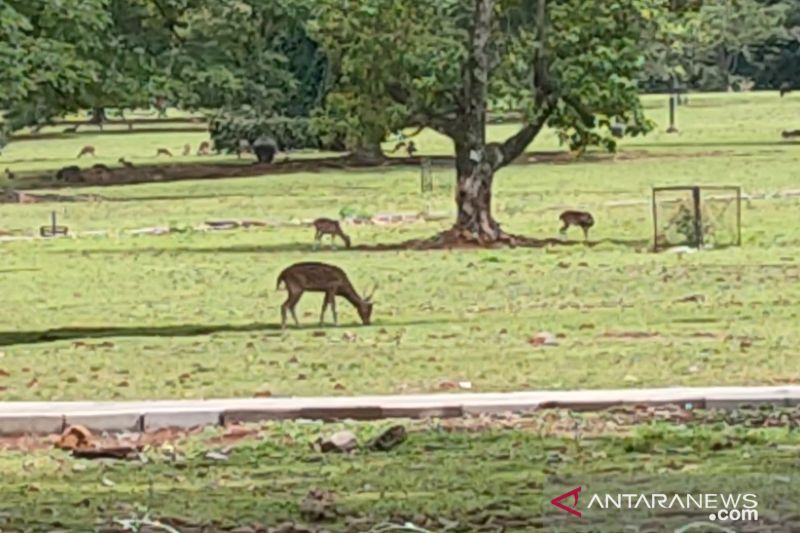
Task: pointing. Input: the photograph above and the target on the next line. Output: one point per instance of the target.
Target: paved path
(52, 417)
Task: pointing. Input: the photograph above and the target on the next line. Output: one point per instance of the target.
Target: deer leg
(333, 309)
(283, 313)
(564, 228)
(324, 307)
(294, 316)
(585, 233)
(289, 305)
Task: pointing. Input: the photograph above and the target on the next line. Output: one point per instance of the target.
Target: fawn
(164, 151)
(582, 219)
(127, 164)
(321, 277)
(187, 149)
(204, 149)
(327, 226)
(87, 150)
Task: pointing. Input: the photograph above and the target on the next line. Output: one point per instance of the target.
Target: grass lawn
(196, 314)
(467, 475)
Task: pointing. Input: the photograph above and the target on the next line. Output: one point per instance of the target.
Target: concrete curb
(52, 417)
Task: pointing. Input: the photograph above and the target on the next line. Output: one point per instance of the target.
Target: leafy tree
(255, 63)
(723, 32)
(570, 64)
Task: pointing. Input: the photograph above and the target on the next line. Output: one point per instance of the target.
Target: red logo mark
(571, 510)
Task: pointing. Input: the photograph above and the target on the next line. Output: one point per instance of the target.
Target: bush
(280, 133)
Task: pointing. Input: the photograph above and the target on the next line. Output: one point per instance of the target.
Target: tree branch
(505, 153)
(441, 122)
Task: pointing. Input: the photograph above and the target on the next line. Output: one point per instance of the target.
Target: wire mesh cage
(697, 216)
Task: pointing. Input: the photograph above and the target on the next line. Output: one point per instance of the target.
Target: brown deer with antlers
(321, 277)
(582, 219)
(327, 226)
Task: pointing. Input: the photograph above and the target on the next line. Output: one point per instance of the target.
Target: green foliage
(403, 62)
(724, 31)
(287, 133)
(707, 45)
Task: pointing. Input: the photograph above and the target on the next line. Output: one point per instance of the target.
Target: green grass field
(196, 314)
(463, 476)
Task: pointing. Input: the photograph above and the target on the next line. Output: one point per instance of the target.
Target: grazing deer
(321, 277)
(791, 134)
(327, 226)
(71, 129)
(87, 150)
(163, 151)
(785, 88)
(204, 149)
(10, 175)
(582, 219)
(127, 164)
(187, 149)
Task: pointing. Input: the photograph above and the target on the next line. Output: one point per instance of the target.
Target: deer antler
(372, 292)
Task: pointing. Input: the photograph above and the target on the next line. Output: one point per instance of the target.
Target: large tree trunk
(474, 199)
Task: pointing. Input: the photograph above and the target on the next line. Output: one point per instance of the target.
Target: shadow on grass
(11, 338)
(309, 247)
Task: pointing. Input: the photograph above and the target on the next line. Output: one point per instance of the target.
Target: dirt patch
(18, 197)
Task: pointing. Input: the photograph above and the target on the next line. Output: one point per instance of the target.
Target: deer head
(365, 309)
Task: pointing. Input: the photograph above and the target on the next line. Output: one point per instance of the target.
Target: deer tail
(280, 280)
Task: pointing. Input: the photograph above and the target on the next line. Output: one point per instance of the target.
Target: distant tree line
(720, 45)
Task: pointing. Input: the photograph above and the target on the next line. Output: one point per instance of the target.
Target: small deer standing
(321, 277)
(204, 148)
(582, 219)
(327, 226)
(86, 150)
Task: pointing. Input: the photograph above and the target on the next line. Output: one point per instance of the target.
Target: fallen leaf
(447, 385)
(301, 377)
(318, 334)
(32, 383)
(262, 394)
(3, 373)
(543, 338)
(293, 359)
(339, 386)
